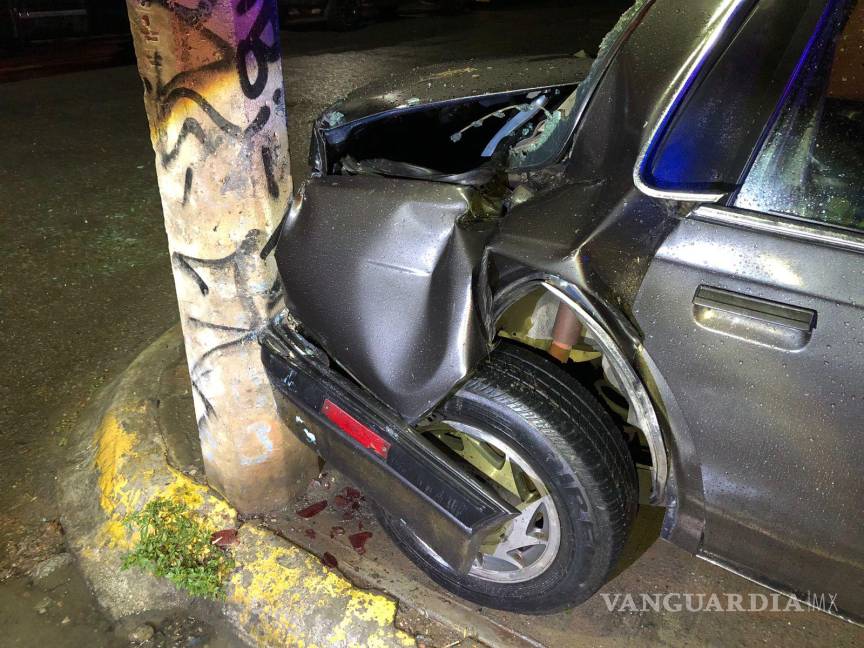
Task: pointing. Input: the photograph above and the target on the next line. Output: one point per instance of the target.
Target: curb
(278, 594)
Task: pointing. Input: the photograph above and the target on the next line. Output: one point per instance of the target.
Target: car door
(753, 311)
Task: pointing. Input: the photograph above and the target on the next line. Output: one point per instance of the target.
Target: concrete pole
(215, 102)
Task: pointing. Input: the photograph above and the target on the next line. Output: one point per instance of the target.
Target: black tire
(580, 456)
(343, 15)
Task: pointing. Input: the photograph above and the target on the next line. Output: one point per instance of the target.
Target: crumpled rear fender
(381, 273)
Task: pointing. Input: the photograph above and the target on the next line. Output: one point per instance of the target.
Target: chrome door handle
(764, 310)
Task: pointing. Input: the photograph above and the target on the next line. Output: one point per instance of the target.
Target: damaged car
(522, 295)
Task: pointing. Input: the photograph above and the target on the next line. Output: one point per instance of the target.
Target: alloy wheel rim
(524, 547)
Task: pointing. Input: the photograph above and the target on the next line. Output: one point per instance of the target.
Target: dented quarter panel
(774, 411)
(380, 271)
(762, 438)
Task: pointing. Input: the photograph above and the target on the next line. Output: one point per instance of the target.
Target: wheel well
(529, 320)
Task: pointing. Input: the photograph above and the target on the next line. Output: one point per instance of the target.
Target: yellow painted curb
(284, 596)
(127, 483)
(278, 594)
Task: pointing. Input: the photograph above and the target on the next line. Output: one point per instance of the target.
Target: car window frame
(783, 225)
(712, 40)
(720, 35)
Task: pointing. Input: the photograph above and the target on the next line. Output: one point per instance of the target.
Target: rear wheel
(544, 444)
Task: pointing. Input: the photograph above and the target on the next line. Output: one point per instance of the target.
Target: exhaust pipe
(565, 334)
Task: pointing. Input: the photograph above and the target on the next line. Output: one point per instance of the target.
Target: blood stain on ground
(352, 493)
(358, 541)
(313, 509)
(329, 560)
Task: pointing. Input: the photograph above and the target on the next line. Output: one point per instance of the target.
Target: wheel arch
(618, 343)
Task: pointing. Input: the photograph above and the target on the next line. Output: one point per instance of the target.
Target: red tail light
(355, 429)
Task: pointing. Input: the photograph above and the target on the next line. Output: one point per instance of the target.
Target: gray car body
(752, 422)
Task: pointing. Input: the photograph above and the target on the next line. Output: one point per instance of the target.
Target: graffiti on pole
(184, 84)
(212, 81)
(235, 266)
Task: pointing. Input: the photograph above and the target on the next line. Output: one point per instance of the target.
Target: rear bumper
(404, 474)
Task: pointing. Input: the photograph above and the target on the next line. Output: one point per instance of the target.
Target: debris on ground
(42, 606)
(141, 633)
(181, 631)
(432, 634)
(313, 509)
(28, 546)
(224, 538)
(50, 565)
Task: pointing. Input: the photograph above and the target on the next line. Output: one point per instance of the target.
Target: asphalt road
(85, 281)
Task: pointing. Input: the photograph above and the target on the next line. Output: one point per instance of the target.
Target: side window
(811, 164)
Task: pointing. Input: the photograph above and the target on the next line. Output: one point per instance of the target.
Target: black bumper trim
(417, 484)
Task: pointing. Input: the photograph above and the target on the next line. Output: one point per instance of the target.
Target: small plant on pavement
(175, 543)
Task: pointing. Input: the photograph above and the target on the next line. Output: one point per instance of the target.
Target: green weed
(174, 543)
